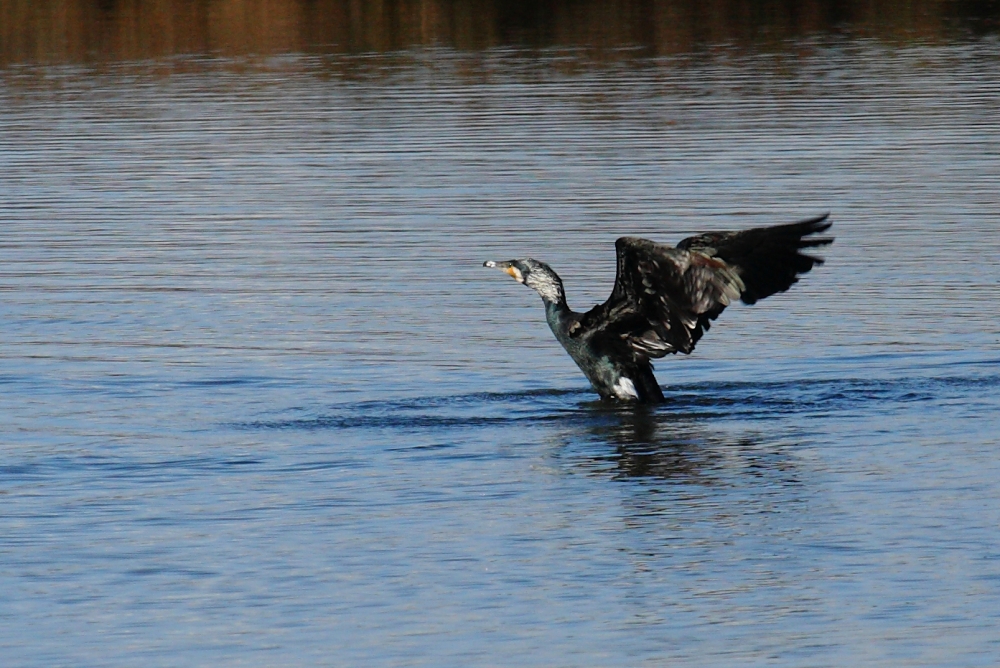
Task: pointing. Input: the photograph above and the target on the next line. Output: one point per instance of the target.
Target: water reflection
(646, 445)
(85, 30)
(660, 443)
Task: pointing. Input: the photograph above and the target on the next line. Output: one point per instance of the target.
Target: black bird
(665, 298)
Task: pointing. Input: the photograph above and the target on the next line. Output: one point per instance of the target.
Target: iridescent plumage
(665, 298)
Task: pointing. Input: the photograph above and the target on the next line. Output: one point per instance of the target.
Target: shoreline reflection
(83, 31)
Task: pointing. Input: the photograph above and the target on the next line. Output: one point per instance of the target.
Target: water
(263, 406)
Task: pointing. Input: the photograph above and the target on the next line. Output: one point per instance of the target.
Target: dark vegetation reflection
(77, 31)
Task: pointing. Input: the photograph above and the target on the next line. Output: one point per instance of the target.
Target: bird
(665, 298)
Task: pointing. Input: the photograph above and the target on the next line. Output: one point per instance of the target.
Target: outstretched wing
(769, 259)
(665, 298)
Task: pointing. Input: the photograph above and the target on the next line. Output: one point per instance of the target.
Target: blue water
(262, 405)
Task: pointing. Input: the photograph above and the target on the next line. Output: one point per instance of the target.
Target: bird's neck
(554, 297)
(555, 311)
(550, 288)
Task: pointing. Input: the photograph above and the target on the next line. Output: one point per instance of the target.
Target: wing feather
(768, 258)
(665, 298)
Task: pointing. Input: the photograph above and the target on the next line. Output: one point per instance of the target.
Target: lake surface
(262, 405)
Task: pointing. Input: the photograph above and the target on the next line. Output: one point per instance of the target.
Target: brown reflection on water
(79, 31)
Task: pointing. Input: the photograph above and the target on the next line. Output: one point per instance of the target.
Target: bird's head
(536, 275)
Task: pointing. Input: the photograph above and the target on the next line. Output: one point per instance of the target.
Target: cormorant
(665, 298)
